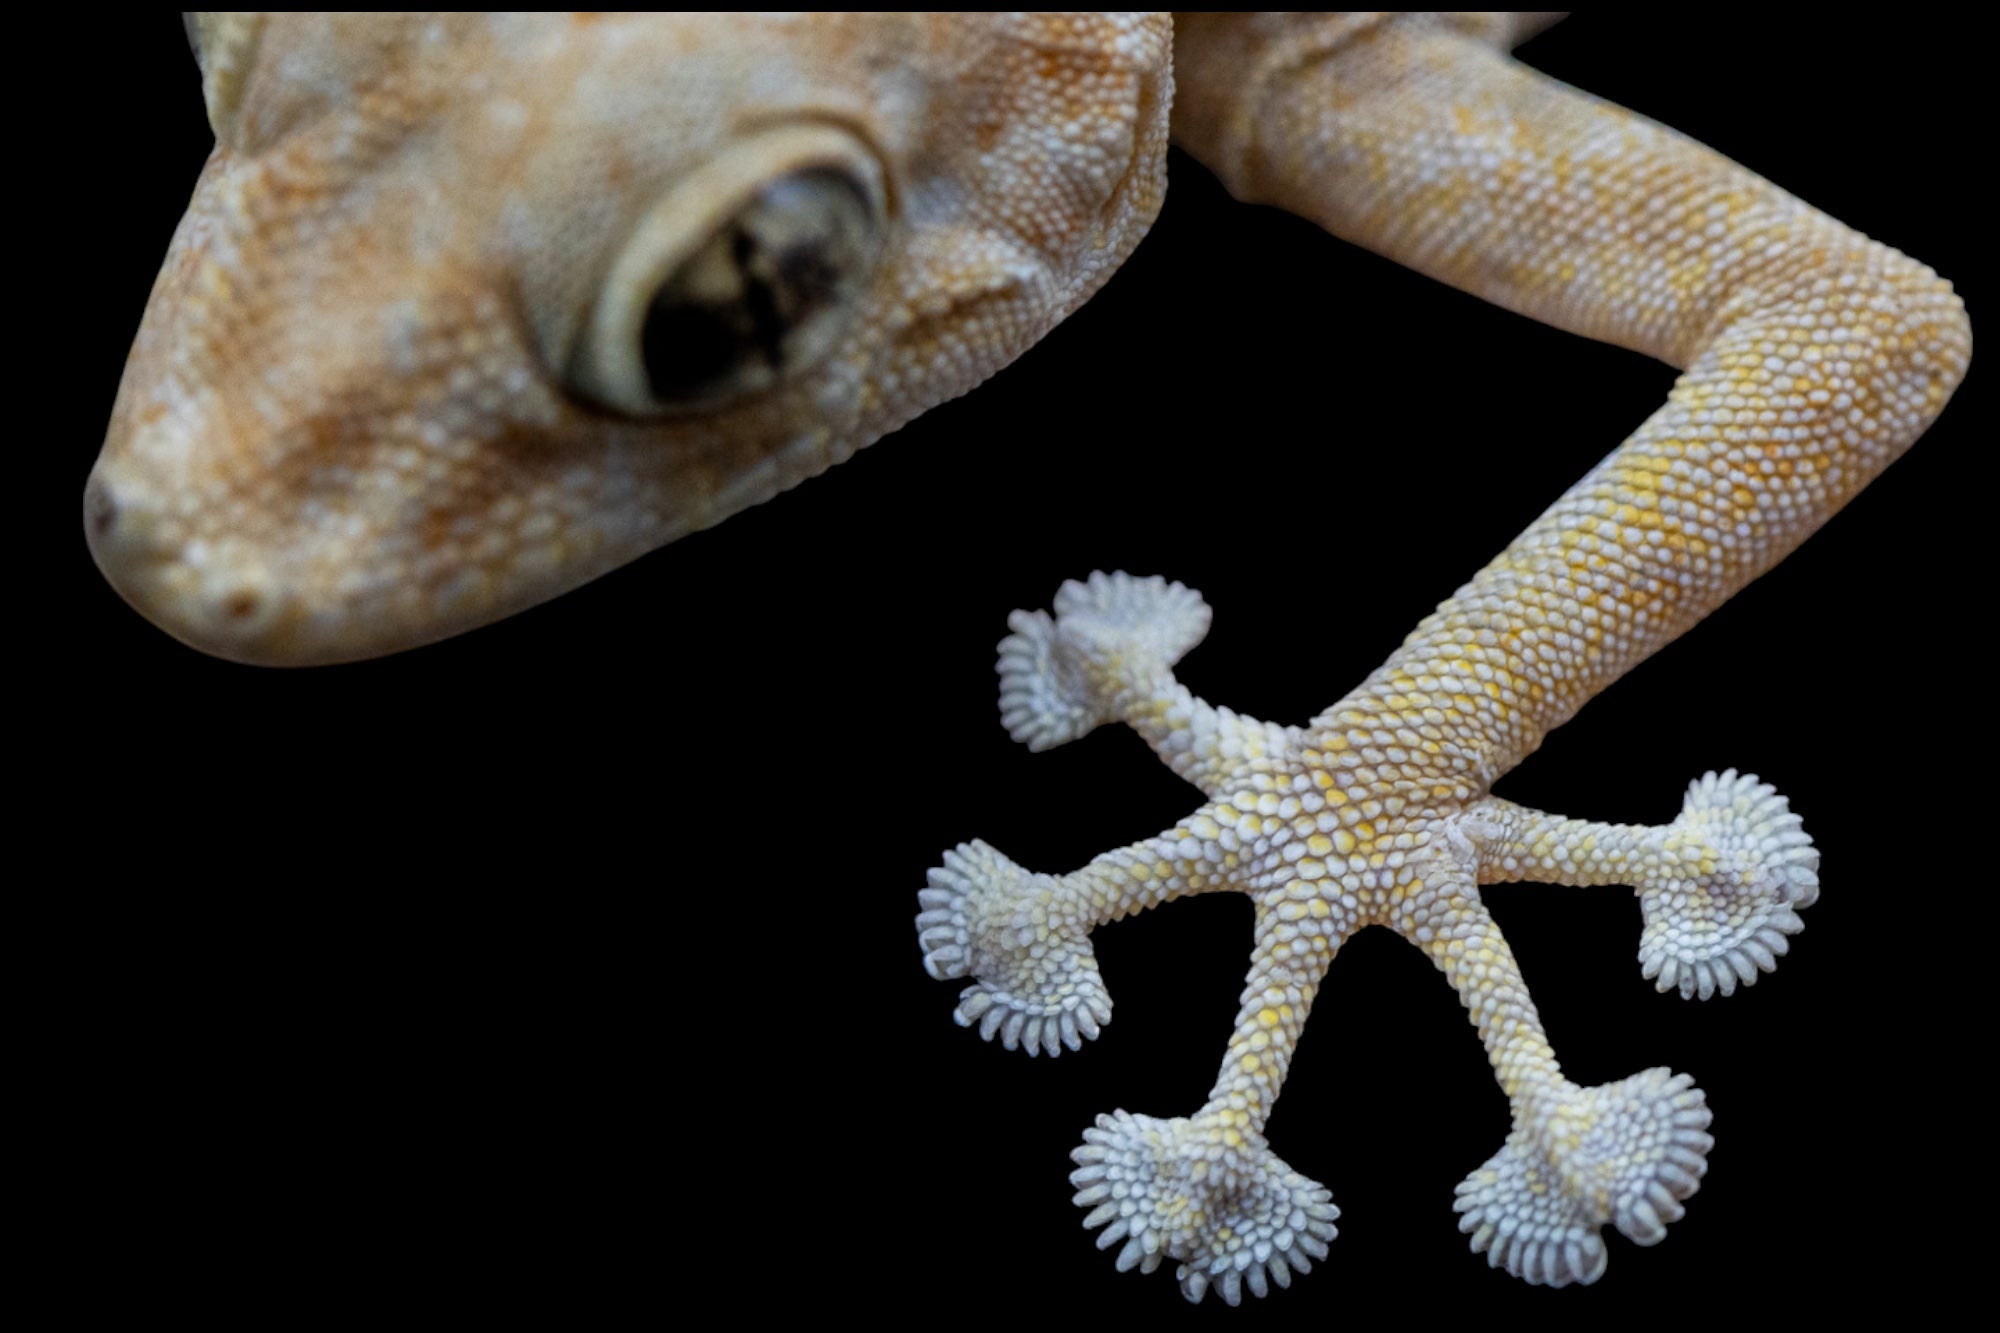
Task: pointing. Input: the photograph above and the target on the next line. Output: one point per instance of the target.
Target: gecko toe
(1739, 870)
(1062, 675)
(1037, 984)
(1201, 1192)
(1626, 1153)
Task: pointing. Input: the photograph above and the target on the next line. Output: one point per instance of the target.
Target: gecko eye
(766, 295)
(761, 295)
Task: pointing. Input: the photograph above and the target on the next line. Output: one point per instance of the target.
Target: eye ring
(744, 275)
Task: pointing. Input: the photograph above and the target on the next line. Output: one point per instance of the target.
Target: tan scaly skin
(391, 384)
(375, 402)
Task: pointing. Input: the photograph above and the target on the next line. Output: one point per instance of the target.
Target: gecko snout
(207, 595)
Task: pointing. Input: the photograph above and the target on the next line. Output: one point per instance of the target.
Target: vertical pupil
(735, 315)
(686, 347)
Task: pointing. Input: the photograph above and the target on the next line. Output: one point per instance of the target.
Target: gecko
(263, 617)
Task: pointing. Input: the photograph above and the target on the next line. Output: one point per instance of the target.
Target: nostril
(242, 605)
(239, 604)
(100, 508)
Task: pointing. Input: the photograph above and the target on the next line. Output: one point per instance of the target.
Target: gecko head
(469, 309)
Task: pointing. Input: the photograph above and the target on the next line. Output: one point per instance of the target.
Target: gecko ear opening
(744, 275)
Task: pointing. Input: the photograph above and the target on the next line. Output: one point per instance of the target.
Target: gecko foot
(1062, 676)
(1013, 930)
(1625, 1153)
(1203, 1192)
(1736, 870)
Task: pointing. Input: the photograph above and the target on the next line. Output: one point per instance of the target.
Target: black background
(571, 961)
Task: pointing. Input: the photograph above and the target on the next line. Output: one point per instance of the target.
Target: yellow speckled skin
(1811, 358)
(346, 429)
